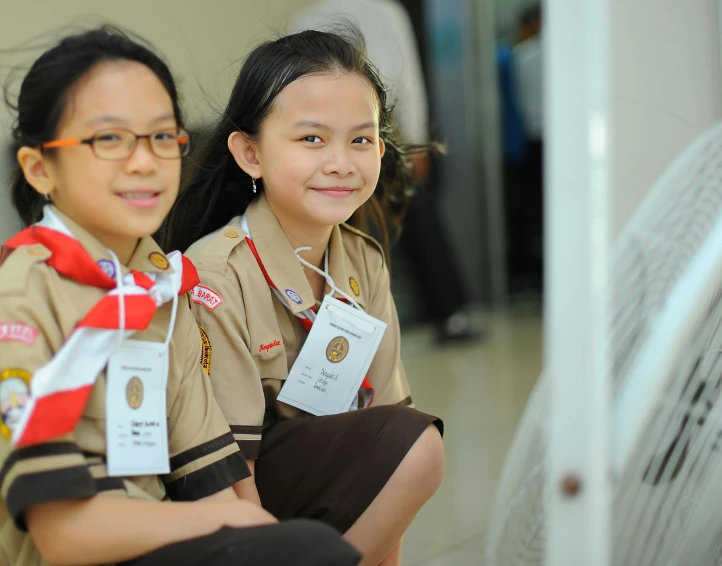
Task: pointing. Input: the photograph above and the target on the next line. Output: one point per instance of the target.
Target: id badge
(137, 426)
(334, 359)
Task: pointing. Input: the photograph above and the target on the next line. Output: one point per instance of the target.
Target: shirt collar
(147, 257)
(283, 267)
(278, 257)
(341, 269)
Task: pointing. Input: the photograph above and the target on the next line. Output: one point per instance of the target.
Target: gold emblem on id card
(337, 350)
(134, 392)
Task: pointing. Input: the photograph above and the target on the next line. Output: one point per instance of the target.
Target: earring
(253, 182)
(47, 196)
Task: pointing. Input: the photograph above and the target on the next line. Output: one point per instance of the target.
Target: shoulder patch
(205, 351)
(14, 396)
(18, 332)
(16, 267)
(203, 295)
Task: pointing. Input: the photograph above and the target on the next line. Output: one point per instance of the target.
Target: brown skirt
(292, 542)
(331, 468)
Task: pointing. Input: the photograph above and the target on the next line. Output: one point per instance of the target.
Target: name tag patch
(206, 296)
(18, 332)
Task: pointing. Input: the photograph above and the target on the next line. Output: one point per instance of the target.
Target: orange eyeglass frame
(71, 142)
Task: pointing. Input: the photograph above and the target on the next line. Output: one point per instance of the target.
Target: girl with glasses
(114, 449)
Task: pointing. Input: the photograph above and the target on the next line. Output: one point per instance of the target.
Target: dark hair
(225, 189)
(45, 89)
(530, 15)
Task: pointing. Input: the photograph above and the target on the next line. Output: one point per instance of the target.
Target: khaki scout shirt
(38, 311)
(254, 336)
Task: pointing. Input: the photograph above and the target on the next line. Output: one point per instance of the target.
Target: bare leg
(393, 558)
(377, 533)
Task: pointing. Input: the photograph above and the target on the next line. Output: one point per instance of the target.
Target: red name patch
(206, 296)
(17, 332)
(267, 347)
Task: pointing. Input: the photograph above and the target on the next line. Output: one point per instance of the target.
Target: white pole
(577, 222)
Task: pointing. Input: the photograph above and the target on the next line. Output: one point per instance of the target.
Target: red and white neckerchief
(308, 316)
(59, 390)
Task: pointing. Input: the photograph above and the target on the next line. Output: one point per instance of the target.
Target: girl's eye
(362, 140)
(312, 139)
(165, 136)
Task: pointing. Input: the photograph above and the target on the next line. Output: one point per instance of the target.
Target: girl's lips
(141, 199)
(335, 192)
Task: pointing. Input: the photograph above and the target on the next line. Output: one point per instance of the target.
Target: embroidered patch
(337, 350)
(205, 351)
(206, 296)
(269, 346)
(159, 260)
(14, 397)
(134, 392)
(354, 286)
(108, 267)
(18, 332)
(295, 297)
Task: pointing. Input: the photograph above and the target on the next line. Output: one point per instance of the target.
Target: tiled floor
(480, 391)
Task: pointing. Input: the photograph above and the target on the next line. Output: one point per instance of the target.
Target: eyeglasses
(118, 143)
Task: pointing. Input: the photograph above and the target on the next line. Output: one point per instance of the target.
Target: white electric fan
(666, 347)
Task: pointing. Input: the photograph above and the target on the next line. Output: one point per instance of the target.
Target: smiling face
(319, 151)
(117, 201)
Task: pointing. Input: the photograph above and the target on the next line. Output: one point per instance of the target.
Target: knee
(425, 462)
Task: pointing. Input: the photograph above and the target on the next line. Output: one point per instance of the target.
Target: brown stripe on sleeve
(43, 473)
(248, 439)
(109, 484)
(244, 429)
(406, 402)
(197, 452)
(36, 451)
(43, 487)
(249, 448)
(209, 478)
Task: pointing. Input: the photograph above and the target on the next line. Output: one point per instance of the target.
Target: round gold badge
(354, 286)
(337, 350)
(134, 392)
(159, 260)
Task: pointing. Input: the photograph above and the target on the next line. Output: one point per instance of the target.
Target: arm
(102, 530)
(234, 376)
(246, 489)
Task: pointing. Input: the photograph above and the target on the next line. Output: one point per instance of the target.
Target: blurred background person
(520, 84)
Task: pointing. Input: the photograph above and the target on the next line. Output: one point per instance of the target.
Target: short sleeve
(221, 313)
(29, 335)
(386, 373)
(205, 458)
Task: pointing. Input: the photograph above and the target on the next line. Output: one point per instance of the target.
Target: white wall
(667, 89)
(202, 39)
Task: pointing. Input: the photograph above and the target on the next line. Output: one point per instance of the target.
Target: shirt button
(231, 234)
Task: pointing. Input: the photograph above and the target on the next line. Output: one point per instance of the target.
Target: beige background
(204, 41)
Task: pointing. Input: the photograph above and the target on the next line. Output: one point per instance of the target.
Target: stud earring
(253, 182)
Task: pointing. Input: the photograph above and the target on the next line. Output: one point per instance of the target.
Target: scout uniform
(252, 337)
(39, 310)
